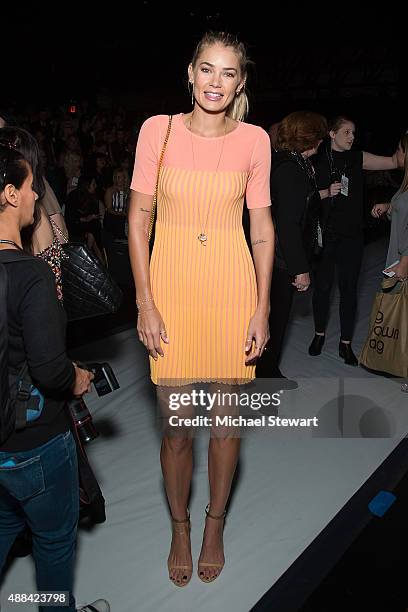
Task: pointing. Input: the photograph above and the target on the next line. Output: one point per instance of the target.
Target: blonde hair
(117, 172)
(239, 107)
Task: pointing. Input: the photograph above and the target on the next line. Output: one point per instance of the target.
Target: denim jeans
(42, 491)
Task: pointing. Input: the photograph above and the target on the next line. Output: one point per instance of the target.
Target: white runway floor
(288, 488)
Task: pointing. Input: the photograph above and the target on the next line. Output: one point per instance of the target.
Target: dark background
(321, 58)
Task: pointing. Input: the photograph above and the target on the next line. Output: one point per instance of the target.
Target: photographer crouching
(38, 459)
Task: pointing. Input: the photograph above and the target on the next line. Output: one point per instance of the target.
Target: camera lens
(82, 420)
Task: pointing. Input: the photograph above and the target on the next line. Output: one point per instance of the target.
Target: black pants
(282, 292)
(345, 254)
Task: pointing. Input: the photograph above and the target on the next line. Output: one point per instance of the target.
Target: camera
(104, 382)
(82, 420)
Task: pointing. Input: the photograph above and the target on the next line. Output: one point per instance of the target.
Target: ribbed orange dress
(205, 294)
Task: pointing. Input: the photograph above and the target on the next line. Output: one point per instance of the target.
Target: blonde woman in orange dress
(204, 301)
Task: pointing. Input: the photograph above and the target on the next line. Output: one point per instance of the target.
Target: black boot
(317, 344)
(346, 352)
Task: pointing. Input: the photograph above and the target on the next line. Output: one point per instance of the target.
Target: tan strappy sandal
(202, 564)
(182, 527)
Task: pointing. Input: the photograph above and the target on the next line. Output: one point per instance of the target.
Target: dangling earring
(192, 92)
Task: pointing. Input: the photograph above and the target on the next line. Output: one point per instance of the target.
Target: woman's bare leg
(223, 454)
(176, 457)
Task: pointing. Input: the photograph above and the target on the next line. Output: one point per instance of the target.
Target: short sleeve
(147, 155)
(258, 188)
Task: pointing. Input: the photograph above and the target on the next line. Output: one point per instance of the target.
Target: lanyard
(332, 167)
(11, 242)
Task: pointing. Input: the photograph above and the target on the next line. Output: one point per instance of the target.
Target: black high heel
(346, 352)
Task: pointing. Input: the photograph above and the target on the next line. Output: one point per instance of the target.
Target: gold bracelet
(146, 309)
(144, 301)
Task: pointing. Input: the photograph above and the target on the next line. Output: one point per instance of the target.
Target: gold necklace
(202, 236)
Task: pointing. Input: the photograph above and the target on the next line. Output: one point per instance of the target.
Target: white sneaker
(100, 605)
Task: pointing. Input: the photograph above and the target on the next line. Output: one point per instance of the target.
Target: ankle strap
(221, 516)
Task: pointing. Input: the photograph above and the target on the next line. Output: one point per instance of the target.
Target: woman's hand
(302, 281)
(82, 382)
(334, 189)
(151, 329)
(400, 269)
(379, 209)
(258, 330)
(331, 191)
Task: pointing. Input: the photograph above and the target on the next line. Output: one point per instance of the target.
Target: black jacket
(36, 322)
(296, 207)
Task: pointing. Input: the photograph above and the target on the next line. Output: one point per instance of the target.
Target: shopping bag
(386, 347)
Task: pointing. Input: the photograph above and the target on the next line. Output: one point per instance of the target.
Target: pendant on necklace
(202, 238)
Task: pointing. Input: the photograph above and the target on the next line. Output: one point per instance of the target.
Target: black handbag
(88, 288)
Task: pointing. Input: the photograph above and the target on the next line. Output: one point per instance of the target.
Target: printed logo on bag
(384, 332)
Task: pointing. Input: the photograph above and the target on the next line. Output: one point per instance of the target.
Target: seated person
(83, 217)
(116, 197)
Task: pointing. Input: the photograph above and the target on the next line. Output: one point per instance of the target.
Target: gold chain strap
(154, 204)
(56, 228)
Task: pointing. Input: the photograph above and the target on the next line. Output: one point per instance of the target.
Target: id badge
(344, 185)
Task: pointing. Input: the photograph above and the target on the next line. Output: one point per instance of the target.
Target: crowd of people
(87, 157)
(211, 311)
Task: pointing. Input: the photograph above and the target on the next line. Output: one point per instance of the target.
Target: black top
(37, 324)
(345, 213)
(295, 210)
